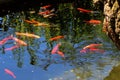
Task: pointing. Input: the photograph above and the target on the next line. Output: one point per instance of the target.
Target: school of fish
(46, 13)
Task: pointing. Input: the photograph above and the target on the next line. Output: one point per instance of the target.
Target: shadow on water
(36, 59)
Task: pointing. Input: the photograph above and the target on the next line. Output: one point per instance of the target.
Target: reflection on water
(36, 59)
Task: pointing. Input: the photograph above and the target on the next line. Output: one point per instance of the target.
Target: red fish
(84, 10)
(92, 50)
(46, 6)
(92, 46)
(92, 21)
(60, 53)
(20, 42)
(3, 41)
(96, 50)
(83, 51)
(10, 73)
(45, 12)
(55, 49)
(13, 47)
(56, 38)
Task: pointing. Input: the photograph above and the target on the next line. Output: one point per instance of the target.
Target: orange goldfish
(49, 15)
(10, 73)
(20, 42)
(3, 41)
(92, 46)
(83, 51)
(92, 21)
(46, 6)
(84, 10)
(27, 34)
(60, 53)
(56, 38)
(11, 48)
(28, 21)
(45, 12)
(55, 49)
(32, 21)
(96, 50)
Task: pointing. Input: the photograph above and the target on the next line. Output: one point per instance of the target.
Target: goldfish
(46, 6)
(55, 49)
(60, 53)
(10, 72)
(49, 15)
(3, 41)
(83, 51)
(84, 10)
(32, 21)
(20, 42)
(46, 12)
(96, 50)
(27, 34)
(92, 46)
(11, 48)
(92, 21)
(56, 38)
(92, 50)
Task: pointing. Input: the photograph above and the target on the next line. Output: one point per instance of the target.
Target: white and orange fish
(9, 72)
(92, 46)
(19, 42)
(3, 41)
(27, 34)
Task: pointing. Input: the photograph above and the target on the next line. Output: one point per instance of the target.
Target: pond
(23, 57)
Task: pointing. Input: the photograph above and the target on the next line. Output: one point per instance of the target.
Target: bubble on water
(32, 71)
(55, 78)
(78, 77)
(71, 70)
(50, 79)
(61, 78)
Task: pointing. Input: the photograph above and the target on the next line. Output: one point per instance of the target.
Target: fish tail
(95, 12)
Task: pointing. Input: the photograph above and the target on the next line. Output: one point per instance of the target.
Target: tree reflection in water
(68, 22)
